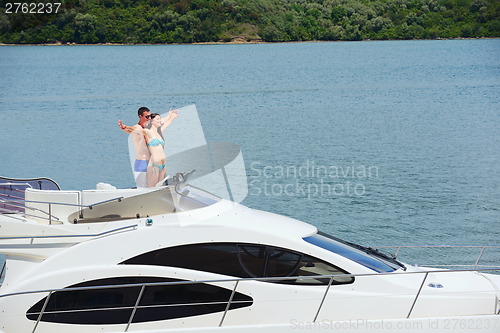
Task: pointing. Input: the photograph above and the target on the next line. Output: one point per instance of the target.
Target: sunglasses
(147, 117)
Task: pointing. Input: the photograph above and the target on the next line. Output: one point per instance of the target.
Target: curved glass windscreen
(365, 256)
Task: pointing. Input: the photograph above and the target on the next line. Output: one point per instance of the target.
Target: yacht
(177, 258)
(187, 256)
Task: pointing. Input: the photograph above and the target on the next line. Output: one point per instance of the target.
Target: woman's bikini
(155, 143)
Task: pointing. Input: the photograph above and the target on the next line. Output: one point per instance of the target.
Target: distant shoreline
(239, 41)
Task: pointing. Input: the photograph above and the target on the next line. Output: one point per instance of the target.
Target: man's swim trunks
(140, 165)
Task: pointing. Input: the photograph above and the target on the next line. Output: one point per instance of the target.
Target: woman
(157, 162)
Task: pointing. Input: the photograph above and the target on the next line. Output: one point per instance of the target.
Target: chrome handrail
(12, 216)
(230, 301)
(135, 307)
(12, 196)
(323, 299)
(2, 271)
(16, 184)
(18, 203)
(418, 294)
(21, 202)
(476, 264)
(7, 211)
(70, 204)
(15, 203)
(70, 236)
(40, 315)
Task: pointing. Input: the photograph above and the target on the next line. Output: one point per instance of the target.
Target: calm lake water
(382, 143)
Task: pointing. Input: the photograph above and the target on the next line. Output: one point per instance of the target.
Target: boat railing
(230, 301)
(14, 188)
(11, 184)
(480, 248)
(10, 191)
(100, 234)
(22, 203)
(20, 207)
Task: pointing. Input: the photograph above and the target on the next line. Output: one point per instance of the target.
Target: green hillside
(188, 21)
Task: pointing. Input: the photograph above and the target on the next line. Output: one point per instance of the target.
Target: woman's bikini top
(156, 142)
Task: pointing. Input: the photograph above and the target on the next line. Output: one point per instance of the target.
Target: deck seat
(63, 204)
(133, 203)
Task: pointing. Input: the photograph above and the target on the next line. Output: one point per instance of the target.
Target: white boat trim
(86, 249)
(234, 290)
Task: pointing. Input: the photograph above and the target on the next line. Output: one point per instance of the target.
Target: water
(382, 143)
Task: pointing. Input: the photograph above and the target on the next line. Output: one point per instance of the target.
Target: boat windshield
(366, 256)
(217, 167)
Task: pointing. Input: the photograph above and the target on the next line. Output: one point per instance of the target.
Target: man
(141, 149)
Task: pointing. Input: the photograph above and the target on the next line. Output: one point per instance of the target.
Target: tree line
(189, 21)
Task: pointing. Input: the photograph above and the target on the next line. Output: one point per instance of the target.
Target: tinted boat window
(335, 245)
(245, 261)
(113, 305)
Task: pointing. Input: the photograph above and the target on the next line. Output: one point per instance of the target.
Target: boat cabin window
(246, 261)
(112, 302)
(365, 256)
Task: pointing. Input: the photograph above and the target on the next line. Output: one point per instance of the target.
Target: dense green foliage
(187, 21)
